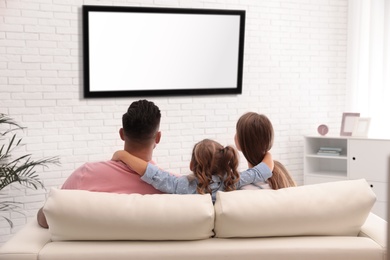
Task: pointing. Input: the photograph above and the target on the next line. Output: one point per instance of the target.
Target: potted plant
(19, 169)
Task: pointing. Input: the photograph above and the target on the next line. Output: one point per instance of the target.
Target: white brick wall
(295, 72)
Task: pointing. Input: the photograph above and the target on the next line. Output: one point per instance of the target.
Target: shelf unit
(359, 158)
(325, 166)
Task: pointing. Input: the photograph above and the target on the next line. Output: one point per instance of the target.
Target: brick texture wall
(294, 72)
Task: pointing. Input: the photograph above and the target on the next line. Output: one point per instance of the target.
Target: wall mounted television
(150, 51)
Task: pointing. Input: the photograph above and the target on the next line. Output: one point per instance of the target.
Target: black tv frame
(88, 93)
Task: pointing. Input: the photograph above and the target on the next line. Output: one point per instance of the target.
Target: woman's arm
(259, 173)
(134, 162)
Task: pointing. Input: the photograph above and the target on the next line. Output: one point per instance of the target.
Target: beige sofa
(322, 221)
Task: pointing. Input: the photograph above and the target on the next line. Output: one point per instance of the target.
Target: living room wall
(294, 72)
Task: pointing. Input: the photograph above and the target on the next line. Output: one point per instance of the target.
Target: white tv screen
(143, 51)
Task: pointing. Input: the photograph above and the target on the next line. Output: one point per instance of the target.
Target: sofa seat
(293, 248)
(37, 245)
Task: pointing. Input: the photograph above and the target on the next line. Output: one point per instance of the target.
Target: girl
(254, 137)
(214, 169)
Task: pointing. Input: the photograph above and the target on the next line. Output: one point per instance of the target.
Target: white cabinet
(358, 158)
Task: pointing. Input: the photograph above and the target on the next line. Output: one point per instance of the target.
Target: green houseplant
(19, 169)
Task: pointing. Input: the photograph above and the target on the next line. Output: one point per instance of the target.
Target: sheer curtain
(368, 63)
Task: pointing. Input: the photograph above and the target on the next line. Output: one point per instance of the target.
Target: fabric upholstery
(26, 243)
(328, 209)
(279, 248)
(85, 215)
(82, 212)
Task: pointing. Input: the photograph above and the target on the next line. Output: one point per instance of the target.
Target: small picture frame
(348, 123)
(362, 126)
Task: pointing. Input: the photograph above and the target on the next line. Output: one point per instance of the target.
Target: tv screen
(147, 51)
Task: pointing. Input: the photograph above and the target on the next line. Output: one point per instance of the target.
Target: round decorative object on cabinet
(322, 129)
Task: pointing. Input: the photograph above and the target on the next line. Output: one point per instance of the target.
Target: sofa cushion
(334, 209)
(85, 215)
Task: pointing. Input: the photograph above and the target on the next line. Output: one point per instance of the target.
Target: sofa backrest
(328, 209)
(331, 209)
(85, 215)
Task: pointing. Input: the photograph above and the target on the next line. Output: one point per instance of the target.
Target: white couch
(322, 221)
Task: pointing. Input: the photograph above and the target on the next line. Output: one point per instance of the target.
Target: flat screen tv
(148, 51)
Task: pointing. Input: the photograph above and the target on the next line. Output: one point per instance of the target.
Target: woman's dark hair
(255, 136)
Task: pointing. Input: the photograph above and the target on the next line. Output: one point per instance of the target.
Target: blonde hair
(211, 158)
(255, 136)
(281, 178)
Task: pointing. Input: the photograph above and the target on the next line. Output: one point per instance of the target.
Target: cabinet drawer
(380, 190)
(380, 209)
(312, 179)
(369, 159)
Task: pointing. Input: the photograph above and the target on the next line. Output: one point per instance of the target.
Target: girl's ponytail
(228, 167)
(211, 158)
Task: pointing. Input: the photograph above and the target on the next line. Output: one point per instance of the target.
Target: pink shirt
(108, 176)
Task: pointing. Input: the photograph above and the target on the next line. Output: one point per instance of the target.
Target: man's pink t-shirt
(108, 176)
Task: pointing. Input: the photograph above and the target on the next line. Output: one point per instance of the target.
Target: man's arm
(42, 219)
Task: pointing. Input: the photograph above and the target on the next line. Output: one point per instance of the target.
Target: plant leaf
(20, 170)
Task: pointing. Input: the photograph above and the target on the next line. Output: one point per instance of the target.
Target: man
(140, 133)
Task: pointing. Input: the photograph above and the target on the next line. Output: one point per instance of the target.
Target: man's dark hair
(141, 121)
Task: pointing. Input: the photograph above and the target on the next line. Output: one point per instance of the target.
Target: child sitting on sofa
(214, 168)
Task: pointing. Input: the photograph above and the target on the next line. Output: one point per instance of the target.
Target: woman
(254, 138)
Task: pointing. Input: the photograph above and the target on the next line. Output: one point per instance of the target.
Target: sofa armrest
(376, 229)
(26, 244)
